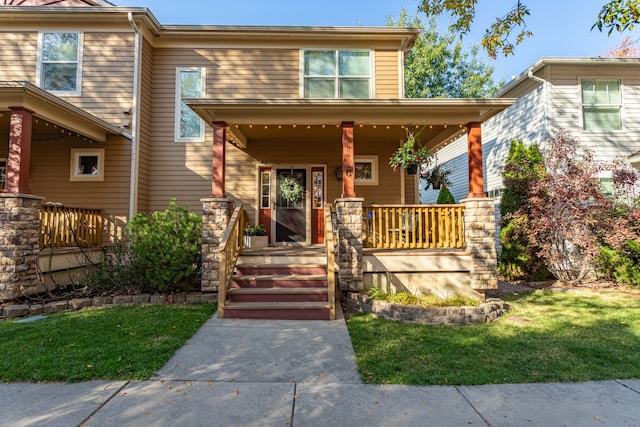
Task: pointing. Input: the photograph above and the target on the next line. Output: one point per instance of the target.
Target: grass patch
(118, 343)
(547, 336)
(422, 300)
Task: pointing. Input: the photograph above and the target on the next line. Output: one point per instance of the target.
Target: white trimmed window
(190, 83)
(59, 68)
(337, 74)
(3, 173)
(601, 104)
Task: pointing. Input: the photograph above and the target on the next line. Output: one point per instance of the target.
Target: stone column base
(215, 218)
(480, 238)
(349, 217)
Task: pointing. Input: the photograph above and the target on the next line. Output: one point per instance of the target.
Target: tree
(439, 67)
(619, 15)
(523, 167)
(627, 49)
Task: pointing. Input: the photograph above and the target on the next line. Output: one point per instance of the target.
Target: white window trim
(39, 75)
(3, 182)
(337, 77)
(374, 169)
(178, 104)
(622, 109)
(76, 153)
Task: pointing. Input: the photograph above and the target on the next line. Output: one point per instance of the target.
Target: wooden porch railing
(63, 226)
(413, 226)
(331, 266)
(229, 249)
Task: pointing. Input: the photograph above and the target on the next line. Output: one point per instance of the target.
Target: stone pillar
(480, 239)
(216, 213)
(19, 244)
(349, 218)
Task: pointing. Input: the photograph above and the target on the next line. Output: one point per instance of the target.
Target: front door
(291, 206)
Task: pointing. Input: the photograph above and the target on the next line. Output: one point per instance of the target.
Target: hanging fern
(290, 189)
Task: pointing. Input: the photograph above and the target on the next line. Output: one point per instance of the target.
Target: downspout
(135, 118)
(547, 119)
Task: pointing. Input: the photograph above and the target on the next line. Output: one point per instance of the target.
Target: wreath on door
(290, 189)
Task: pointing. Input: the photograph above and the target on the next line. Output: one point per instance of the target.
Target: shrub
(623, 266)
(165, 248)
(445, 197)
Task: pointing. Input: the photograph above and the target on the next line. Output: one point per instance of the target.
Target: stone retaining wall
(21, 310)
(489, 310)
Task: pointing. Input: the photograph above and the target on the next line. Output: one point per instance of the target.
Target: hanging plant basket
(412, 169)
(290, 189)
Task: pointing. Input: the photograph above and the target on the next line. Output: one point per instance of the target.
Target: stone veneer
(349, 214)
(216, 213)
(19, 244)
(480, 238)
(489, 310)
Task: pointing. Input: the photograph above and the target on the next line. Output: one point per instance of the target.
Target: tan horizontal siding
(145, 127)
(386, 73)
(19, 56)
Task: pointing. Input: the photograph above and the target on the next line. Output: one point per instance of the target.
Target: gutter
(135, 118)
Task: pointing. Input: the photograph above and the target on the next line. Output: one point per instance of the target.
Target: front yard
(576, 335)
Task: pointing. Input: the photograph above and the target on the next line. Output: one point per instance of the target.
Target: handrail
(330, 252)
(64, 226)
(228, 250)
(414, 226)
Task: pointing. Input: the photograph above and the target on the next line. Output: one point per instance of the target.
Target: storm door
(291, 206)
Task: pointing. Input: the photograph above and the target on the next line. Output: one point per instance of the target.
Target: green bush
(445, 197)
(621, 266)
(165, 248)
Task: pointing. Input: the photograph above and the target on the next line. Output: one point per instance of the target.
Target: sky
(560, 27)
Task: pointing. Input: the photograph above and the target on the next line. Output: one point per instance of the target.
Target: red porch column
(348, 163)
(19, 161)
(474, 139)
(218, 161)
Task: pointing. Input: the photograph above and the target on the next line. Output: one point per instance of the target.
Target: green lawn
(119, 343)
(547, 336)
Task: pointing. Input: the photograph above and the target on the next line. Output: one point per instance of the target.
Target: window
(366, 170)
(3, 173)
(337, 74)
(87, 164)
(189, 84)
(60, 63)
(601, 104)
(265, 190)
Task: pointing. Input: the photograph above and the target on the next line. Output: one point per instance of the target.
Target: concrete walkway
(303, 373)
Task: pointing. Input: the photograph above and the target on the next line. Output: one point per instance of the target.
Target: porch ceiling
(54, 117)
(311, 120)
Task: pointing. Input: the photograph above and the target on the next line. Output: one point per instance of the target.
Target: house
(103, 107)
(597, 100)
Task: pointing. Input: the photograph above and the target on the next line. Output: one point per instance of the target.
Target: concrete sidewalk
(303, 373)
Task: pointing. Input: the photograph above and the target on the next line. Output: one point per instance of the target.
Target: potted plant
(437, 176)
(410, 155)
(255, 236)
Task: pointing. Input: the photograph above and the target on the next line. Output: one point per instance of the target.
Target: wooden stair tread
(280, 277)
(292, 291)
(277, 305)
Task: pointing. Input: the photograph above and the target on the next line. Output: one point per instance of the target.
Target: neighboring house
(596, 100)
(104, 107)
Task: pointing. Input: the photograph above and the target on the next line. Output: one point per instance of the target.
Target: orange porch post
(19, 161)
(348, 162)
(218, 160)
(476, 180)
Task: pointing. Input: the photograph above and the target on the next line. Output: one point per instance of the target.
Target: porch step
(278, 295)
(279, 280)
(278, 310)
(281, 269)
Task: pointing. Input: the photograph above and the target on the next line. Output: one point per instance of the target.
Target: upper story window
(337, 74)
(601, 104)
(189, 84)
(60, 63)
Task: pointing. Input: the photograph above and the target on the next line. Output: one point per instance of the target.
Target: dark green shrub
(445, 197)
(165, 248)
(621, 266)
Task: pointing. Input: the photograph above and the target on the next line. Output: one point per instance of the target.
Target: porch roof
(63, 116)
(259, 119)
